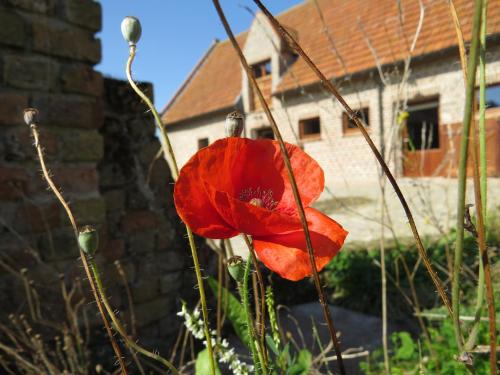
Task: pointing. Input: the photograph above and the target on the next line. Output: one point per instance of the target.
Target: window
(422, 126)
(265, 132)
(492, 96)
(262, 69)
(202, 142)
(350, 126)
(310, 129)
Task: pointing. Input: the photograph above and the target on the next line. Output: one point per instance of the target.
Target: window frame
(256, 130)
(423, 102)
(346, 130)
(312, 136)
(201, 142)
(261, 67)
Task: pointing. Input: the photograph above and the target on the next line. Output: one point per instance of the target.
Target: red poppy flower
(239, 185)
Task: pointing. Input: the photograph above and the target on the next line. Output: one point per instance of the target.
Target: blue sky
(175, 34)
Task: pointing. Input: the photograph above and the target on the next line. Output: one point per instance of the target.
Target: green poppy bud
(236, 268)
(131, 30)
(30, 116)
(234, 124)
(88, 239)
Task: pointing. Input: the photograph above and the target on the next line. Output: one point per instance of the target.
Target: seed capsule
(131, 30)
(234, 124)
(88, 239)
(236, 268)
(30, 116)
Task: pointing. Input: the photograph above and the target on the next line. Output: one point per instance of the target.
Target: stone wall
(99, 144)
(143, 230)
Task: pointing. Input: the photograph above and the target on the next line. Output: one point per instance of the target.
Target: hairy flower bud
(234, 124)
(88, 239)
(30, 116)
(131, 30)
(236, 268)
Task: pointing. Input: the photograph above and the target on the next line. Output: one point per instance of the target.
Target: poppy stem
(119, 327)
(169, 152)
(260, 279)
(293, 183)
(328, 85)
(243, 288)
(97, 297)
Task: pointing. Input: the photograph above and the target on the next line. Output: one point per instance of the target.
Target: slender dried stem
(168, 152)
(119, 327)
(328, 85)
(55, 190)
(293, 183)
(383, 276)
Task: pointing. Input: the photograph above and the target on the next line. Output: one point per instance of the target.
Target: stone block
(142, 242)
(81, 145)
(40, 218)
(13, 31)
(138, 220)
(115, 200)
(60, 39)
(149, 312)
(30, 72)
(145, 290)
(113, 249)
(13, 182)
(71, 180)
(170, 282)
(16, 144)
(85, 13)
(112, 275)
(69, 111)
(81, 78)
(60, 245)
(37, 6)
(13, 105)
(89, 211)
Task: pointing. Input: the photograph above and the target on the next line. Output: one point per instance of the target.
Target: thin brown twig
(352, 115)
(55, 190)
(293, 183)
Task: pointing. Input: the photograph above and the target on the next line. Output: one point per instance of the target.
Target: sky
(175, 35)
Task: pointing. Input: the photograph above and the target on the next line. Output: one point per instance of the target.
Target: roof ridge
(184, 84)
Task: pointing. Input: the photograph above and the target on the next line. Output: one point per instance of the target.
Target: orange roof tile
(214, 86)
(217, 83)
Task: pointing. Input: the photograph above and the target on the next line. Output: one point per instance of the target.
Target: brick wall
(99, 145)
(143, 230)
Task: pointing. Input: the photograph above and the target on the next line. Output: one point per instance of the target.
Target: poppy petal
(250, 219)
(195, 208)
(235, 165)
(287, 254)
(308, 175)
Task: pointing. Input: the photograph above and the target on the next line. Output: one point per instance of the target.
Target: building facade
(398, 67)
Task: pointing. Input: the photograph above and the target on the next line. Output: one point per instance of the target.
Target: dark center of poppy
(259, 197)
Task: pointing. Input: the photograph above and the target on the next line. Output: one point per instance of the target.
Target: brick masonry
(99, 144)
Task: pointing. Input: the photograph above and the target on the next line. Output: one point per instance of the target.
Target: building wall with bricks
(100, 146)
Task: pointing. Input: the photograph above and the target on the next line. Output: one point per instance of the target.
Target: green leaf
(234, 310)
(406, 348)
(272, 345)
(302, 365)
(202, 365)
